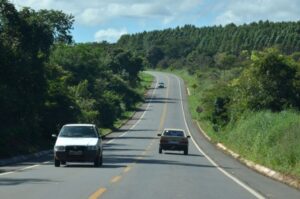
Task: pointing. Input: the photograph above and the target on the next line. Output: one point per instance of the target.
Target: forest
(47, 80)
(194, 47)
(261, 59)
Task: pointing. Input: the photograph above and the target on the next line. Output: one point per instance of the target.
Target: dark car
(174, 140)
(78, 143)
(161, 85)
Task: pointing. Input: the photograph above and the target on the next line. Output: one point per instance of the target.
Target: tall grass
(270, 139)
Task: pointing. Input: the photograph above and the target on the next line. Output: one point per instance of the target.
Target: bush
(271, 82)
(216, 102)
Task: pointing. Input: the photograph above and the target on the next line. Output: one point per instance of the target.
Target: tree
(125, 64)
(60, 24)
(269, 83)
(25, 43)
(154, 55)
(224, 61)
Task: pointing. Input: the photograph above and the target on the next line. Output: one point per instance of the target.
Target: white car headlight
(60, 148)
(92, 148)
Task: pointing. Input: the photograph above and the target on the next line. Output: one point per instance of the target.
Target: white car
(78, 143)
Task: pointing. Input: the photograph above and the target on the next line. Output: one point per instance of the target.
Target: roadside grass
(271, 139)
(146, 81)
(267, 138)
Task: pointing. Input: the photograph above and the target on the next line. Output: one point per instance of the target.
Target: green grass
(146, 81)
(270, 139)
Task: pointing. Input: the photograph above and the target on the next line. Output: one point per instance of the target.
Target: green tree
(25, 43)
(154, 55)
(269, 83)
(224, 61)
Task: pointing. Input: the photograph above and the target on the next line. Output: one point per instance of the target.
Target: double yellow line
(164, 113)
(102, 190)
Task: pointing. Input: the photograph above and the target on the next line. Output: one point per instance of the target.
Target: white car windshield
(77, 131)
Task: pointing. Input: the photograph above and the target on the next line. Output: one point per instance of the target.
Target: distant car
(161, 85)
(174, 140)
(78, 143)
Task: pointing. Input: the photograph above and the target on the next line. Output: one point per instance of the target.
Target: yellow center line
(163, 117)
(116, 179)
(98, 193)
(127, 169)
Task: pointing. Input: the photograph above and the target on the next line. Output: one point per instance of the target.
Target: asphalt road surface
(134, 169)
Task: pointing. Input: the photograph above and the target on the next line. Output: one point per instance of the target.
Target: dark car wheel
(56, 163)
(98, 161)
(186, 151)
(101, 160)
(160, 150)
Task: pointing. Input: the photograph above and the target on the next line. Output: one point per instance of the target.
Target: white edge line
(140, 119)
(15, 171)
(188, 91)
(30, 167)
(6, 173)
(249, 189)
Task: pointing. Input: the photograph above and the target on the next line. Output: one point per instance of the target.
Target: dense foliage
(100, 78)
(269, 81)
(47, 81)
(246, 76)
(197, 47)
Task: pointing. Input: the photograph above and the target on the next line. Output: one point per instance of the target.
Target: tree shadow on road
(136, 138)
(123, 159)
(13, 181)
(161, 100)
(136, 130)
(190, 154)
(91, 166)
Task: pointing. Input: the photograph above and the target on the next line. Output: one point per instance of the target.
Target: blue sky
(99, 20)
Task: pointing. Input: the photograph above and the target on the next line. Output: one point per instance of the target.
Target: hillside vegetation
(46, 80)
(244, 82)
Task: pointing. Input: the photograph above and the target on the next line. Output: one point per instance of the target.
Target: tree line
(252, 66)
(46, 80)
(190, 45)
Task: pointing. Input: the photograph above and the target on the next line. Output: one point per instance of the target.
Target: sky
(107, 20)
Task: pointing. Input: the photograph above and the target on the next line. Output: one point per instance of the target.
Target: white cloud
(95, 12)
(109, 35)
(243, 11)
(91, 16)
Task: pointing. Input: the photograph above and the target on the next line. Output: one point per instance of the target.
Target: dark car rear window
(173, 133)
(77, 131)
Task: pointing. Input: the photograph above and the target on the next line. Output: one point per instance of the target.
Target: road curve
(134, 169)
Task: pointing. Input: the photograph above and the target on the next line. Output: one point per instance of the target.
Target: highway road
(134, 169)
